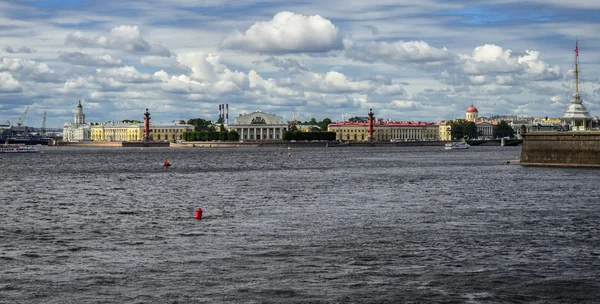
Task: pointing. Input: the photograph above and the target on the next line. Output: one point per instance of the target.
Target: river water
(324, 225)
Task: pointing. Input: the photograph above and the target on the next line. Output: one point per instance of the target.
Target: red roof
(472, 109)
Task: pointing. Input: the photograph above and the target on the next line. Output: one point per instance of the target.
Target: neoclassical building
(110, 131)
(259, 126)
(384, 131)
(78, 129)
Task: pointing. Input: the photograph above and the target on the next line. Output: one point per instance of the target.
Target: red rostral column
(146, 125)
(370, 124)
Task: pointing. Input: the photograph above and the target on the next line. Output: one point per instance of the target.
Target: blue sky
(407, 60)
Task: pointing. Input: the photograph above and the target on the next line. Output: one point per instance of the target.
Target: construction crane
(20, 121)
(43, 128)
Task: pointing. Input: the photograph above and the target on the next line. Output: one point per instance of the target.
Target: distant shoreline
(203, 144)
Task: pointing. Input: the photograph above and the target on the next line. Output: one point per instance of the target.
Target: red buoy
(167, 164)
(198, 215)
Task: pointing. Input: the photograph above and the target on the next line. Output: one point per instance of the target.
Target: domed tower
(79, 116)
(472, 113)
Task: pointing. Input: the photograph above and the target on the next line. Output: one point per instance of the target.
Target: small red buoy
(167, 164)
(198, 215)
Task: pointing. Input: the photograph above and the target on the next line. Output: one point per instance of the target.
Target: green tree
(201, 124)
(293, 127)
(324, 123)
(503, 129)
(463, 129)
(233, 135)
(223, 135)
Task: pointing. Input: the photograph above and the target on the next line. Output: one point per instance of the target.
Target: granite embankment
(564, 149)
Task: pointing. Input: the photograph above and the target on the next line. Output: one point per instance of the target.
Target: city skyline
(419, 61)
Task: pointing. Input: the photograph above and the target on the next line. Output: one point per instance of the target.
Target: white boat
(19, 149)
(457, 145)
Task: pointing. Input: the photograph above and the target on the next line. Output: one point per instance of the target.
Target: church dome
(472, 109)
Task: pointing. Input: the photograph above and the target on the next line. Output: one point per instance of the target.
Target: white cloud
(8, 84)
(332, 82)
(125, 38)
(25, 69)
(479, 79)
(400, 53)
(536, 68)
(128, 74)
(288, 33)
(403, 104)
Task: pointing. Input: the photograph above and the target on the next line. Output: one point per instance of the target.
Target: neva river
(326, 225)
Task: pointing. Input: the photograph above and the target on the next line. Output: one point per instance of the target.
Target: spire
(79, 105)
(576, 67)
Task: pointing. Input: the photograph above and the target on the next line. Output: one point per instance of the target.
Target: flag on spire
(576, 50)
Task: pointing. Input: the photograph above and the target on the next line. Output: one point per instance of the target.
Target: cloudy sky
(424, 60)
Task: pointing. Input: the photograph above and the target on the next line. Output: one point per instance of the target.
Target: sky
(424, 60)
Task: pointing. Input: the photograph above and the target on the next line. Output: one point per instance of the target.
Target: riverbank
(328, 144)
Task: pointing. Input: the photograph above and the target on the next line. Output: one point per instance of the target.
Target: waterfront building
(110, 131)
(384, 131)
(169, 131)
(444, 131)
(258, 126)
(484, 129)
(77, 130)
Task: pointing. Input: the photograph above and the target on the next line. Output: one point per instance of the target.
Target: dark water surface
(326, 225)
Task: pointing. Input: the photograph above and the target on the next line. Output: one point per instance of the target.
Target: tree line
(465, 129)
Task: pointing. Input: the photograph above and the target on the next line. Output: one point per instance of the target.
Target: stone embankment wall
(566, 149)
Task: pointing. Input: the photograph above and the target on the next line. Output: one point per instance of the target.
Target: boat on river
(457, 145)
(19, 149)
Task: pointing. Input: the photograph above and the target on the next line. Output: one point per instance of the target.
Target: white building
(485, 129)
(259, 126)
(78, 129)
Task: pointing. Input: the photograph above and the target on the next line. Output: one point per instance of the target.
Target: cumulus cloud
(24, 49)
(332, 82)
(8, 84)
(25, 69)
(207, 67)
(81, 58)
(493, 59)
(125, 38)
(288, 33)
(127, 74)
(403, 104)
(399, 53)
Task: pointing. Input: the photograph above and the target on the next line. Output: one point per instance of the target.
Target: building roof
(472, 109)
(381, 124)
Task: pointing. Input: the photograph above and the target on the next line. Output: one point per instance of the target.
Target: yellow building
(445, 131)
(170, 132)
(135, 132)
(384, 131)
(110, 131)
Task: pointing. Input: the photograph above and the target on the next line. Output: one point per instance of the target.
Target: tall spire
(576, 67)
